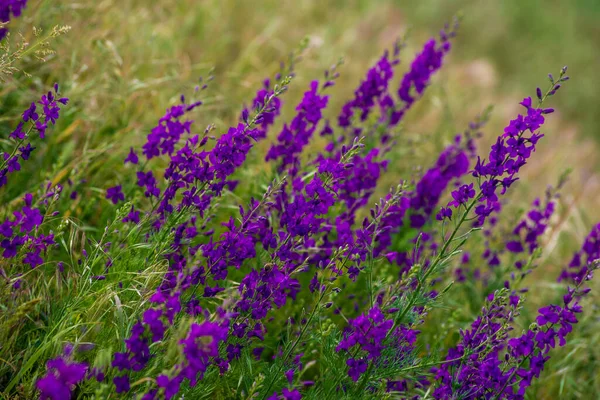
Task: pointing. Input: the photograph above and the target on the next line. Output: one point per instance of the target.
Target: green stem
(433, 266)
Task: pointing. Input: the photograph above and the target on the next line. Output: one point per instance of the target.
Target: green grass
(125, 61)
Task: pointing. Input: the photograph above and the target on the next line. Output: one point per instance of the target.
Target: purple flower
(356, 368)
(18, 133)
(413, 84)
(50, 114)
(60, 379)
(164, 136)
(462, 195)
(132, 216)
(121, 383)
(132, 157)
(582, 261)
(293, 138)
(7, 8)
(171, 386)
(30, 113)
(506, 157)
(367, 331)
(370, 91)
(115, 194)
(199, 346)
(292, 394)
(444, 213)
(514, 246)
(25, 151)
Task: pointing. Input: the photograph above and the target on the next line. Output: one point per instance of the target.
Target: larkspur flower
(10, 9)
(121, 384)
(507, 156)
(371, 91)
(462, 195)
(60, 379)
(132, 157)
(20, 136)
(582, 261)
(295, 136)
(189, 166)
(115, 194)
(272, 247)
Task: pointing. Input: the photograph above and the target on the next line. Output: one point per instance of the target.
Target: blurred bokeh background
(125, 61)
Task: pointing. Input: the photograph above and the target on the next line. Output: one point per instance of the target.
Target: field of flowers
(298, 200)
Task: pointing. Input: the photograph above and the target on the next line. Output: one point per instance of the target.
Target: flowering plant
(295, 288)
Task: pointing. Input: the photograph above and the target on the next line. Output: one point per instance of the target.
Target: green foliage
(124, 62)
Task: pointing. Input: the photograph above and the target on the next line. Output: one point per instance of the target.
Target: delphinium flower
(361, 180)
(526, 235)
(225, 157)
(372, 341)
(286, 394)
(371, 91)
(419, 204)
(517, 245)
(203, 174)
(358, 242)
(461, 200)
(293, 138)
(196, 164)
(292, 230)
(230, 250)
(200, 349)
(170, 128)
(188, 169)
(374, 90)
(582, 261)
(510, 153)
(352, 258)
(301, 217)
(418, 77)
(115, 194)
(473, 367)
(416, 209)
(189, 164)
(462, 195)
(528, 353)
(263, 289)
(21, 233)
(418, 289)
(520, 243)
(222, 165)
(271, 113)
(500, 367)
(368, 332)
(8, 7)
(162, 139)
(61, 377)
(133, 216)
(132, 157)
(36, 118)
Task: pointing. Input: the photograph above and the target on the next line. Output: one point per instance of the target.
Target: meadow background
(125, 61)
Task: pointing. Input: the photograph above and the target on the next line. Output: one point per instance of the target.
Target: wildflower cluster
(37, 118)
(296, 284)
(10, 9)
